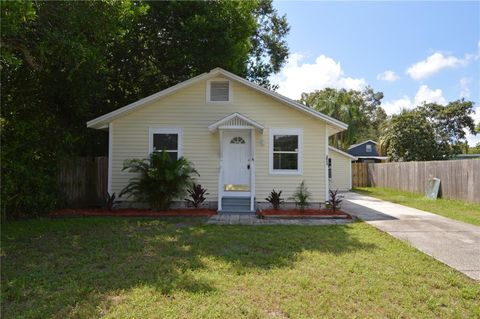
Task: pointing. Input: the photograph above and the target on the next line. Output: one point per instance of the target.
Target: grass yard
(181, 268)
(454, 209)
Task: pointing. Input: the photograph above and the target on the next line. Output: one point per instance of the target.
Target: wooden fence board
(459, 179)
(83, 181)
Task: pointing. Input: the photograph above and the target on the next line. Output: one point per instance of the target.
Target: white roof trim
(355, 145)
(374, 157)
(104, 119)
(331, 148)
(250, 122)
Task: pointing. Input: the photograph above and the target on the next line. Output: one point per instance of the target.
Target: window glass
(166, 142)
(285, 143)
(285, 152)
(369, 148)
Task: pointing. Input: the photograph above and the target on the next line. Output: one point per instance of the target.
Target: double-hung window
(166, 139)
(369, 148)
(286, 151)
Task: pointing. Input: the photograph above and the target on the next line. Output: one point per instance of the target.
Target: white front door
(236, 162)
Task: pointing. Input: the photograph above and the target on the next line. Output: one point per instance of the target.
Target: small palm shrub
(302, 196)
(159, 180)
(275, 199)
(335, 200)
(197, 195)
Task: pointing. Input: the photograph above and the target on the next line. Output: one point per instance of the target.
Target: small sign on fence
(433, 187)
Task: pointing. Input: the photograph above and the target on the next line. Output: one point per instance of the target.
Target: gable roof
(331, 148)
(355, 145)
(102, 121)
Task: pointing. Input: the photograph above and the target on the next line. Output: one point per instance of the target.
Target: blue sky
(411, 51)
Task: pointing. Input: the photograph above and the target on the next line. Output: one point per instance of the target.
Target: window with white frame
(369, 148)
(286, 151)
(168, 140)
(219, 91)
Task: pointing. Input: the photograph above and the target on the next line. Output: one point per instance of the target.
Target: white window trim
(165, 130)
(230, 91)
(367, 149)
(286, 131)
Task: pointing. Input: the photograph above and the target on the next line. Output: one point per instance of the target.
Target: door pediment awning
(235, 121)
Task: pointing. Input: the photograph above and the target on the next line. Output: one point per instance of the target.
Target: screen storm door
(236, 162)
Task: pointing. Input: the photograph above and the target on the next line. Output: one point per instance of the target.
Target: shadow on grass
(53, 265)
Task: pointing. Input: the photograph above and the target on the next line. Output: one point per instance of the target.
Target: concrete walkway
(251, 219)
(454, 243)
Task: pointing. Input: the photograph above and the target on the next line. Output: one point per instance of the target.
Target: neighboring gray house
(366, 152)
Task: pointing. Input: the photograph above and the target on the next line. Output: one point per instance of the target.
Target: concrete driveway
(452, 242)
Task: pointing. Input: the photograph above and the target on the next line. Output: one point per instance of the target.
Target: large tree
(361, 110)
(409, 136)
(430, 131)
(64, 63)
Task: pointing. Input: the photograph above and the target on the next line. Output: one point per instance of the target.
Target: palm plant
(302, 196)
(160, 179)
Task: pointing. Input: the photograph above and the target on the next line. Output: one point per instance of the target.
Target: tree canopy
(361, 110)
(428, 132)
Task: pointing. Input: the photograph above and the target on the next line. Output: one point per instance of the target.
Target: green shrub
(160, 179)
(302, 196)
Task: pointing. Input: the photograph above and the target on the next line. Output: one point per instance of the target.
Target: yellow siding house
(243, 139)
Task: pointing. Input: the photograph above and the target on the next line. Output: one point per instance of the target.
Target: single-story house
(243, 139)
(366, 152)
(340, 169)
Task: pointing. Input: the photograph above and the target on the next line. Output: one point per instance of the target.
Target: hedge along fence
(459, 179)
(83, 181)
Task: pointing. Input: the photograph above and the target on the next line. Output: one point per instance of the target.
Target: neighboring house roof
(355, 145)
(102, 121)
(331, 148)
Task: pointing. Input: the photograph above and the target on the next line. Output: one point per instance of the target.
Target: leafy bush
(160, 179)
(275, 199)
(109, 201)
(302, 196)
(197, 195)
(335, 200)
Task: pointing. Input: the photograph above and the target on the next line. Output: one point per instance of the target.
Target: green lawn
(455, 209)
(181, 268)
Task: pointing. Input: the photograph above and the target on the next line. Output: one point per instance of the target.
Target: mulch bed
(307, 213)
(130, 212)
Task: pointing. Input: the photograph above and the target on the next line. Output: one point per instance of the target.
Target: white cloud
(423, 95)
(395, 106)
(465, 87)
(426, 95)
(297, 77)
(433, 64)
(388, 76)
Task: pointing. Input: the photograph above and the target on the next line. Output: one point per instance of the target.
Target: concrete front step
(236, 204)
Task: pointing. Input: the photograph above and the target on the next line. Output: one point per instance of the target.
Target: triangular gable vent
(235, 120)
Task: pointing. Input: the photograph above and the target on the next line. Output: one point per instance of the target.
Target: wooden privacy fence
(83, 181)
(459, 179)
(359, 175)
